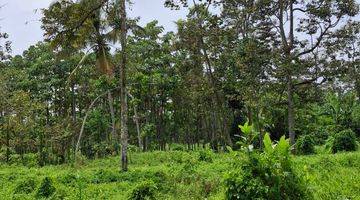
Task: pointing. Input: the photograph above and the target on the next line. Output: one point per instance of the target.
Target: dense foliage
(305, 145)
(344, 141)
(242, 83)
(193, 86)
(268, 175)
(174, 178)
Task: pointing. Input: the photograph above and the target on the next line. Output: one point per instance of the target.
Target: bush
(68, 179)
(177, 147)
(321, 135)
(105, 176)
(133, 148)
(241, 185)
(25, 186)
(305, 145)
(266, 176)
(344, 141)
(31, 160)
(143, 191)
(159, 177)
(80, 159)
(15, 159)
(328, 145)
(46, 188)
(205, 155)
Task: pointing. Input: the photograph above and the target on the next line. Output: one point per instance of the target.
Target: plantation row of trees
(100, 81)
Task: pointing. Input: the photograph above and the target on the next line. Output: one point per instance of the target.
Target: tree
(82, 30)
(123, 93)
(344, 48)
(295, 45)
(5, 46)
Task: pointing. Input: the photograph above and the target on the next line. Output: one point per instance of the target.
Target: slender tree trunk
(137, 123)
(290, 101)
(73, 103)
(112, 114)
(357, 87)
(8, 144)
(288, 46)
(290, 87)
(123, 99)
(84, 120)
(136, 120)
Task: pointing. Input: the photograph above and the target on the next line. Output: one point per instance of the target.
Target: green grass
(177, 175)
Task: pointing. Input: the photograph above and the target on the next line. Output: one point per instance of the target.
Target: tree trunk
(84, 120)
(73, 103)
(123, 99)
(357, 87)
(290, 102)
(112, 114)
(8, 145)
(136, 120)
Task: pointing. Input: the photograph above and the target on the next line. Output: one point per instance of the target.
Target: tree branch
(87, 114)
(320, 38)
(309, 81)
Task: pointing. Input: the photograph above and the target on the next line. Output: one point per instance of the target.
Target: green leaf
(246, 129)
(283, 146)
(229, 149)
(267, 144)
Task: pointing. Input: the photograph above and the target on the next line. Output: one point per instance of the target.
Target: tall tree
(296, 30)
(123, 91)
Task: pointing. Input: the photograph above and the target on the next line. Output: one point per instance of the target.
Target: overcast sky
(20, 19)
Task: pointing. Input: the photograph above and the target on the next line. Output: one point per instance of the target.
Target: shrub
(143, 191)
(159, 177)
(133, 148)
(205, 155)
(177, 147)
(208, 186)
(25, 186)
(322, 134)
(61, 193)
(69, 179)
(46, 188)
(187, 173)
(31, 160)
(15, 159)
(80, 159)
(105, 176)
(241, 185)
(305, 145)
(328, 145)
(266, 176)
(344, 141)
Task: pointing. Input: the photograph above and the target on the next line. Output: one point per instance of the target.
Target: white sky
(20, 19)
(15, 14)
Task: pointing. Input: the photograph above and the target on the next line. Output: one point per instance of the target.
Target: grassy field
(173, 175)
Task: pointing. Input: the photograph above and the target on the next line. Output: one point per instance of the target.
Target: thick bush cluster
(205, 155)
(25, 186)
(143, 191)
(305, 145)
(46, 188)
(266, 176)
(344, 141)
(105, 176)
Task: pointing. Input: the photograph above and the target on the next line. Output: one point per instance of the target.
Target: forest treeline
(100, 80)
